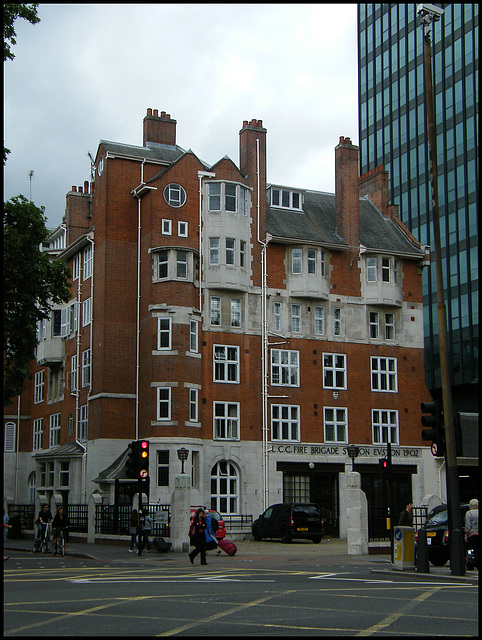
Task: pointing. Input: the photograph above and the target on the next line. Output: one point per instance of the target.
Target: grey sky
(89, 72)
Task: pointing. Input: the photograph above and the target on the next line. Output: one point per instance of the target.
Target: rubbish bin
(404, 548)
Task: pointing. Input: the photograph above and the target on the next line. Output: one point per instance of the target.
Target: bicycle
(41, 543)
(59, 544)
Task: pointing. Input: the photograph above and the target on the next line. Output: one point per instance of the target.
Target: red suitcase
(228, 547)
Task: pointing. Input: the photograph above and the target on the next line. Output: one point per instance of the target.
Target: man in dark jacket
(406, 517)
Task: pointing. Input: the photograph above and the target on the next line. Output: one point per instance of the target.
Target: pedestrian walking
(6, 525)
(471, 529)
(211, 542)
(134, 523)
(146, 528)
(198, 536)
(406, 517)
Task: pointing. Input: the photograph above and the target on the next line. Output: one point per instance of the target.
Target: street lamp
(431, 13)
(352, 452)
(183, 455)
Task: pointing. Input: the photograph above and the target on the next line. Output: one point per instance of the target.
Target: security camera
(430, 11)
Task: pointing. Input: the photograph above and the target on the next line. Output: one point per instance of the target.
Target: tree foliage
(33, 282)
(10, 13)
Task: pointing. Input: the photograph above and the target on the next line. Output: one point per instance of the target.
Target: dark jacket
(61, 523)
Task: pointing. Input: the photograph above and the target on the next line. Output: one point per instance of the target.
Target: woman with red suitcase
(198, 527)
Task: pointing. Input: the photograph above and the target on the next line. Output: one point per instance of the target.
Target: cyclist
(61, 523)
(44, 517)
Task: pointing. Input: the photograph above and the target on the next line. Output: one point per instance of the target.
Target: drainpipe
(138, 193)
(84, 456)
(264, 340)
(138, 309)
(201, 175)
(78, 344)
(17, 451)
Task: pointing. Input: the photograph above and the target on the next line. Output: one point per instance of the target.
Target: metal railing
(114, 519)
(419, 516)
(238, 521)
(26, 515)
(377, 521)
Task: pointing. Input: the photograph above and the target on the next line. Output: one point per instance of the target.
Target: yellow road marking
(223, 614)
(390, 619)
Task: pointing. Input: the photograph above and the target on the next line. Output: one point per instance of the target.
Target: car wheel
(286, 536)
(256, 535)
(316, 539)
(438, 559)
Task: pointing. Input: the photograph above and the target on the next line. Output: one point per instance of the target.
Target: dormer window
(286, 199)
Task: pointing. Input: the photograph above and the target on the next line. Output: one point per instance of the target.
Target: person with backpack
(211, 527)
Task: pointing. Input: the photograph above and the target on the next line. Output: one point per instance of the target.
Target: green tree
(10, 13)
(33, 282)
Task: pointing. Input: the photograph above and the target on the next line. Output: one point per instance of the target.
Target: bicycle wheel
(61, 543)
(45, 545)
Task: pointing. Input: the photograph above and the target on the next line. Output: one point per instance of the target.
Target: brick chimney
(248, 165)
(374, 184)
(160, 129)
(347, 192)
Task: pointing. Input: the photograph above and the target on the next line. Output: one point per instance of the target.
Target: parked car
(437, 527)
(290, 520)
(221, 532)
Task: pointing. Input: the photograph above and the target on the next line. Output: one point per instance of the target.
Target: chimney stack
(159, 129)
(346, 192)
(374, 184)
(248, 165)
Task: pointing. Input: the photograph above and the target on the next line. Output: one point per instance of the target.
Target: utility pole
(431, 13)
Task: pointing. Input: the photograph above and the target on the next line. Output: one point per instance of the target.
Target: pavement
(328, 551)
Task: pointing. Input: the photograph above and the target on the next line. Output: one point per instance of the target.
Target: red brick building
(262, 327)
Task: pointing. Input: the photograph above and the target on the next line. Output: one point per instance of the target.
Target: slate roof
(114, 470)
(155, 152)
(66, 450)
(316, 223)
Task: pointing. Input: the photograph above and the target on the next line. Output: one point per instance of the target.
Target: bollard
(422, 552)
(457, 552)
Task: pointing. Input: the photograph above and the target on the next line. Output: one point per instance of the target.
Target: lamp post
(183, 455)
(352, 452)
(429, 14)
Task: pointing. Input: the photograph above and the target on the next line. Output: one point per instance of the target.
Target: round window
(174, 195)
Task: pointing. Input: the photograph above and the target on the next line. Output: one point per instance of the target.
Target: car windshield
(438, 518)
(441, 517)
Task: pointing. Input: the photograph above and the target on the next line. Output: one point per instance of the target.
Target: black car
(288, 521)
(437, 527)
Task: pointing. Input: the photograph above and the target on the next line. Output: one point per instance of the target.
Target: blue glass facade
(393, 132)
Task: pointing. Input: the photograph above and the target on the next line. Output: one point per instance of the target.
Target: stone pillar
(356, 515)
(180, 513)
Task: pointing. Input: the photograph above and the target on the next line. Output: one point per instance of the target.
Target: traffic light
(132, 462)
(384, 466)
(143, 473)
(434, 426)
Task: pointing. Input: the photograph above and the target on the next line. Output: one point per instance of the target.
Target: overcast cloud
(89, 72)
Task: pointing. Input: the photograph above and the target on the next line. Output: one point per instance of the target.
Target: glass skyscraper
(393, 133)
